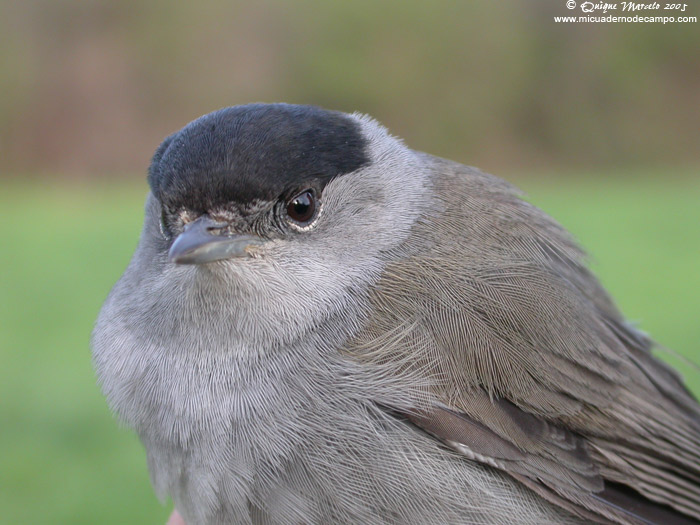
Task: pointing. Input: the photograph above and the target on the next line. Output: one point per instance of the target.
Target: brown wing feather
(523, 347)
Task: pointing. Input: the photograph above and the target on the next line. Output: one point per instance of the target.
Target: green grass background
(65, 460)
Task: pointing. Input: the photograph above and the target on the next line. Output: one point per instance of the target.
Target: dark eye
(302, 207)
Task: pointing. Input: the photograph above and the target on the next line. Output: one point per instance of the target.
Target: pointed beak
(203, 242)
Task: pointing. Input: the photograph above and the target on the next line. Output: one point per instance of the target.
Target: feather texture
(432, 350)
(534, 369)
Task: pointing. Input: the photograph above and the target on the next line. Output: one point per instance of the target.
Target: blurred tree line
(91, 87)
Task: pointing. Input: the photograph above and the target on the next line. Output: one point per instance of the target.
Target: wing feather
(531, 368)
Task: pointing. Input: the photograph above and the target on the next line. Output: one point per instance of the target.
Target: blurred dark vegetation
(91, 87)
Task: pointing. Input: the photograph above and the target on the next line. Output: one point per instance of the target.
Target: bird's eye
(302, 208)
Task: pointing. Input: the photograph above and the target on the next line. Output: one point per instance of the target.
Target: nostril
(206, 224)
(217, 227)
(222, 229)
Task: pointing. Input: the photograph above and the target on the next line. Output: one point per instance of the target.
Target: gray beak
(203, 242)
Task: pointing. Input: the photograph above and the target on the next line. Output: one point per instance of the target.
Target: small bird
(320, 325)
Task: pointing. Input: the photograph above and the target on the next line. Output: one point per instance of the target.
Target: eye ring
(163, 228)
(303, 210)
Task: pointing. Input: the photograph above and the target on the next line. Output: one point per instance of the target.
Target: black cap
(254, 152)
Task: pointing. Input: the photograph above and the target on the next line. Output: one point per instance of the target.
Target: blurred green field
(64, 458)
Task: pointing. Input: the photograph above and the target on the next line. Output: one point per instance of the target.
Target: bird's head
(278, 207)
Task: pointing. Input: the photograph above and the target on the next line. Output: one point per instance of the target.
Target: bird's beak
(203, 242)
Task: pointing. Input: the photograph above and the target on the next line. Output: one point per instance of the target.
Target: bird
(321, 325)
